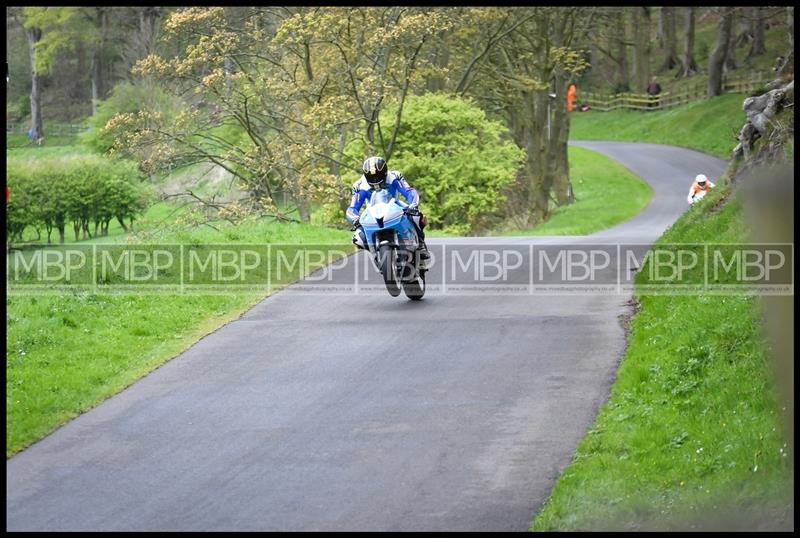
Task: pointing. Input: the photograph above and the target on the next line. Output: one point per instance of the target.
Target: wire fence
(690, 94)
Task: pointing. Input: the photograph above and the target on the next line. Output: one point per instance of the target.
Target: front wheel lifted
(415, 288)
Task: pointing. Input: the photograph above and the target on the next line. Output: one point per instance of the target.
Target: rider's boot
(424, 254)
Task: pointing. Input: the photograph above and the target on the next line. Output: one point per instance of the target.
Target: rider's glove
(412, 211)
(355, 223)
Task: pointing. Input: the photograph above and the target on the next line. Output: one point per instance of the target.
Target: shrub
(82, 190)
(456, 158)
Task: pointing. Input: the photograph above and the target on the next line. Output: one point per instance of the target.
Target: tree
(717, 60)
(688, 63)
(730, 53)
(641, 48)
(754, 31)
(670, 47)
(33, 33)
(525, 77)
(277, 93)
(621, 44)
(67, 29)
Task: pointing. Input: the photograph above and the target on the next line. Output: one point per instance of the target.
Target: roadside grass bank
(606, 194)
(691, 437)
(66, 353)
(709, 126)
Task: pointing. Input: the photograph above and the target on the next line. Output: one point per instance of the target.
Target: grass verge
(709, 126)
(66, 353)
(606, 194)
(691, 436)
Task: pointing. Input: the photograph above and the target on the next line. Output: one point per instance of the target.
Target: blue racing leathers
(395, 182)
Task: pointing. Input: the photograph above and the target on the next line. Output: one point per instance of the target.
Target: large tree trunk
(670, 41)
(37, 131)
(641, 50)
(788, 64)
(757, 47)
(559, 136)
(717, 60)
(623, 78)
(730, 54)
(660, 33)
(538, 158)
(557, 150)
(688, 63)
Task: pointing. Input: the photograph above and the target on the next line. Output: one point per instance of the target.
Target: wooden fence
(50, 129)
(696, 92)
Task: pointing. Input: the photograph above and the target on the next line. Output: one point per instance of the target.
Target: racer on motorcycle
(378, 176)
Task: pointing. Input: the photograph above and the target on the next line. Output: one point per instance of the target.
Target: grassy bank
(606, 194)
(691, 436)
(66, 353)
(709, 126)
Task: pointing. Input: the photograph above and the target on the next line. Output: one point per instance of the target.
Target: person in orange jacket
(571, 91)
(699, 188)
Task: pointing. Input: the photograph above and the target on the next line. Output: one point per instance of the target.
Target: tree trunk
(623, 78)
(717, 60)
(37, 131)
(641, 50)
(558, 145)
(98, 89)
(441, 59)
(730, 55)
(688, 63)
(671, 58)
(757, 48)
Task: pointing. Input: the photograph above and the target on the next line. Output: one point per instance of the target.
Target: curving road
(357, 411)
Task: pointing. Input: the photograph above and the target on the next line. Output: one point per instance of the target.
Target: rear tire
(386, 258)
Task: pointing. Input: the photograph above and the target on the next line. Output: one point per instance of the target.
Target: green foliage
(456, 158)
(127, 98)
(62, 28)
(606, 194)
(49, 193)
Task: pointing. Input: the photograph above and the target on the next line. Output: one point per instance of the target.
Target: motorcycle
(393, 242)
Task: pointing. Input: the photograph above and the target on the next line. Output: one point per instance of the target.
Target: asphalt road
(353, 410)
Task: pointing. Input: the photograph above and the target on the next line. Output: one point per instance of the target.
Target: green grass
(606, 194)
(66, 353)
(691, 436)
(708, 126)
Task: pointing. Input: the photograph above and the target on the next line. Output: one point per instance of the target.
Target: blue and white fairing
(384, 212)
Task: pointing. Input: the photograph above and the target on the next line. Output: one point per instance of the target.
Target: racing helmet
(375, 170)
(701, 179)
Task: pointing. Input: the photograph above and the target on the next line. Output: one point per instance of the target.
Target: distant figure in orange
(571, 91)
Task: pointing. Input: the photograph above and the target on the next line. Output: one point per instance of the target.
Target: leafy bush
(456, 158)
(50, 193)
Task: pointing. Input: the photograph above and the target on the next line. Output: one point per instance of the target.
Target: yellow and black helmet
(375, 170)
